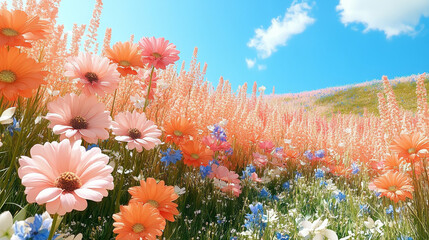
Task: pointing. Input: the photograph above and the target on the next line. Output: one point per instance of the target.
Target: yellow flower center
(178, 133)
(79, 123)
(195, 156)
(138, 228)
(9, 32)
(134, 133)
(7, 76)
(124, 63)
(156, 55)
(411, 150)
(153, 203)
(68, 181)
(392, 188)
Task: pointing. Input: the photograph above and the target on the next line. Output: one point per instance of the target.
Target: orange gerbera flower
(126, 55)
(158, 195)
(394, 185)
(195, 154)
(138, 221)
(179, 129)
(17, 27)
(408, 145)
(392, 162)
(19, 74)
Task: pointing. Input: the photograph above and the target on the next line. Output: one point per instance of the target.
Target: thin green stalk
(146, 103)
(53, 227)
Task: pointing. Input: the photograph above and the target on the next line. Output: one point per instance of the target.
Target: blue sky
(309, 44)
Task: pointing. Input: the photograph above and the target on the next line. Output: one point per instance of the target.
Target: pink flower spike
(95, 74)
(135, 129)
(64, 176)
(77, 117)
(158, 52)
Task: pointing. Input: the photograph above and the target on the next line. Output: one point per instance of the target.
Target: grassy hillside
(354, 99)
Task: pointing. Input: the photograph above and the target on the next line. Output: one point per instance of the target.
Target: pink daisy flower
(64, 176)
(158, 52)
(254, 177)
(94, 73)
(135, 129)
(232, 188)
(77, 117)
(222, 173)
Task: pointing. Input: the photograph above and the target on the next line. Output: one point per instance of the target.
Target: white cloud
(295, 21)
(261, 67)
(393, 17)
(250, 62)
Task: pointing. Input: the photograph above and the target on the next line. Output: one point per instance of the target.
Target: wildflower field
(119, 141)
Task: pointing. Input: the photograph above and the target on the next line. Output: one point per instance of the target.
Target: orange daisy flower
(138, 221)
(408, 145)
(394, 185)
(158, 195)
(19, 74)
(16, 28)
(179, 129)
(392, 162)
(195, 154)
(126, 55)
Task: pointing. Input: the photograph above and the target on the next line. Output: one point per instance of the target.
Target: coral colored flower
(94, 73)
(178, 130)
(158, 195)
(138, 221)
(64, 175)
(126, 55)
(216, 145)
(158, 52)
(234, 189)
(77, 117)
(392, 162)
(255, 178)
(135, 129)
(259, 160)
(16, 28)
(222, 173)
(267, 146)
(195, 154)
(19, 74)
(394, 185)
(409, 145)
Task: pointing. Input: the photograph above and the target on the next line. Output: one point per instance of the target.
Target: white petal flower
(6, 222)
(6, 116)
(317, 230)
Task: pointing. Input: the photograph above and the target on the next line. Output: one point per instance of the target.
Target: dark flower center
(195, 156)
(156, 55)
(153, 203)
(68, 181)
(9, 32)
(392, 188)
(7, 76)
(124, 63)
(91, 77)
(134, 133)
(138, 228)
(79, 123)
(178, 133)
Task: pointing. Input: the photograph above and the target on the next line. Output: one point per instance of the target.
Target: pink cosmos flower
(255, 178)
(95, 74)
(158, 52)
(77, 117)
(64, 176)
(259, 160)
(267, 146)
(215, 145)
(135, 129)
(232, 188)
(222, 173)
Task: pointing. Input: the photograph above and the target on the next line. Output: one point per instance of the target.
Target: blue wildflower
(319, 153)
(37, 230)
(323, 183)
(308, 154)
(340, 197)
(364, 208)
(171, 156)
(14, 127)
(91, 146)
(297, 176)
(279, 236)
(286, 186)
(389, 210)
(264, 193)
(319, 173)
(355, 168)
(219, 133)
(404, 238)
(255, 220)
(204, 171)
(248, 171)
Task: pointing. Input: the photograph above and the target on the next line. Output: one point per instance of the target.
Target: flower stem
(113, 103)
(148, 90)
(53, 227)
